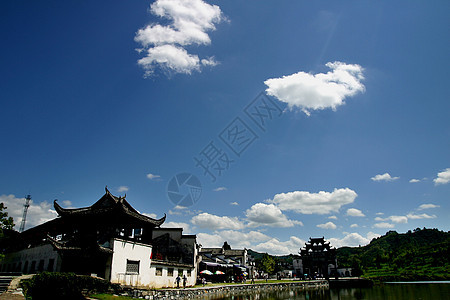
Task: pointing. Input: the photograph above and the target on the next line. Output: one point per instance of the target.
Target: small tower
(25, 209)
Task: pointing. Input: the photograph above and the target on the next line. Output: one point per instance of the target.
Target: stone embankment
(223, 290)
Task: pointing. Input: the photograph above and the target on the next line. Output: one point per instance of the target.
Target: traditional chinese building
(316, 257)
(110, 239)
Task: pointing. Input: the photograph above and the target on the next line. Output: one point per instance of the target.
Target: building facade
(109, 239)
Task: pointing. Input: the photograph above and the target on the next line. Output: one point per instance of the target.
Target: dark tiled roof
(106, 205)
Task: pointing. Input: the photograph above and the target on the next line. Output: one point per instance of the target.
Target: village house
(109, 239)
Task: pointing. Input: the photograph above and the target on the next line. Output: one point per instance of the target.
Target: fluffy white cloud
(186, 227)
(234, 203)
(427, 206)
(395, 219)
(314, 203)
(420, 216)
(353, 212)
(414, 180)
(333, 217)
(236, 239)
(320, 91)
(153, 176)
(352, 240)
(213, 222)
(38, 213)
(354, 226)
(262, 214)
(384, 177)
(442, 177)
(383, 225)
(164, 44)
(123, 188)
(328, 225)
(277, 247)
(219, 189)
(170, 58)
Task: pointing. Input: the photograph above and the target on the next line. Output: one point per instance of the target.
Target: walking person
(177, 280)
(184, 281)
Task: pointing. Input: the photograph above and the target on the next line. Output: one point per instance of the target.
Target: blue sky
(127, 94)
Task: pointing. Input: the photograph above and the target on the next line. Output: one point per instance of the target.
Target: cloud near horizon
(314, 203)
(320, 91)
(261, 214)
(164, 45)
(213, 222)
(38, 213)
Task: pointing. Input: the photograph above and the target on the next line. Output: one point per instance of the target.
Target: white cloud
(427, 206)
(442, 177)
(353, 212)
(421, 216)
(261, 214)
(234, 203)
(384, 177)
(150, 215)
(153, 176)
(320, 91)
(38, 213)
(189, 23)
(333, 217)
(170, 58)
(328, 225)
(353, 240)
(314, 203)
(395, 219)
(67, 204)
(219, 189)
(414, 180)
(235, 239)
(276, 247)
(123, 188)
(186, 227)
(380, 213)
(354, 226)
(383, 225)
(213, 222)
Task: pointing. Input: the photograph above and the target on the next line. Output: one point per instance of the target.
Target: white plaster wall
(43, 252)
(125, 250)
(169, 281)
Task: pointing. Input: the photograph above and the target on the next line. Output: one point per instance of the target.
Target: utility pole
(25, 209)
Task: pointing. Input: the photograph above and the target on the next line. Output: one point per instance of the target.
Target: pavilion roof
(108, 205)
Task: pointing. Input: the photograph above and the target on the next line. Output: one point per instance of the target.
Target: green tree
(5, 221)
(267, 264)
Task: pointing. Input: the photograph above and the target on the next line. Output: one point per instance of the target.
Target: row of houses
(112, 240)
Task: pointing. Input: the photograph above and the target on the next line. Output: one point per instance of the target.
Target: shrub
(68, 286)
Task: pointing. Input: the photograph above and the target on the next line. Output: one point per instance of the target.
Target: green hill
(423, 254)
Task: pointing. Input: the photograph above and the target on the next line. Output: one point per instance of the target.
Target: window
(51, 262)
(170, 272)
(189, 273)
(33, 266)
(158, 272)
(180, 272)
(41, 265)
(25, 267)
(132, 266)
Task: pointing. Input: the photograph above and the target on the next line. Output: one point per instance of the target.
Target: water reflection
(386, 291)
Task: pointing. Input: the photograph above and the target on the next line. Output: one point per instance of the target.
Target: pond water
(387, 291)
